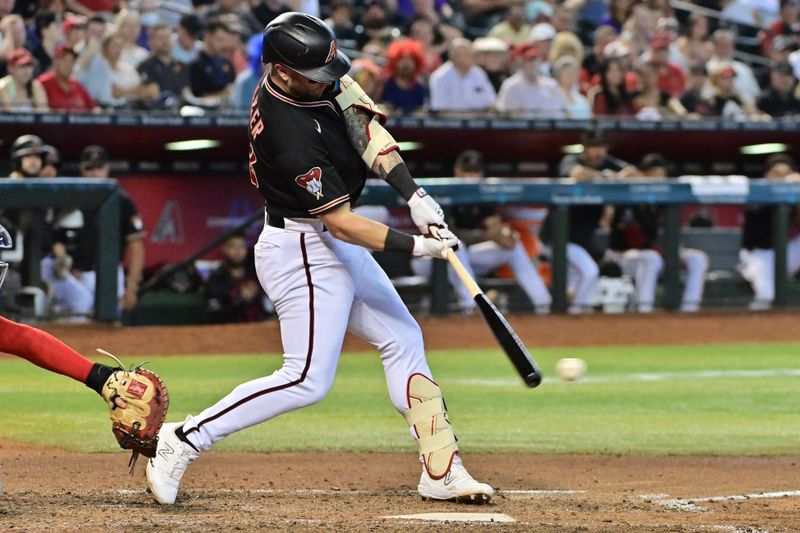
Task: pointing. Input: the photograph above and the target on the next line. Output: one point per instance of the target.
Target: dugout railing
(101, 195)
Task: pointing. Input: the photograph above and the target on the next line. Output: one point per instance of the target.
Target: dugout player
(489, 243)
(757, 254)
(69, 270)
(633, 245)
(594, 162)
(311, 134)
(44, 350)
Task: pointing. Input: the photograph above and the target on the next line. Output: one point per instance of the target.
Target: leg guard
(381, 141)
(428, 418)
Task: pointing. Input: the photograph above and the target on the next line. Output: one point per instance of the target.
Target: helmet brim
(34, 150)
(329, 72)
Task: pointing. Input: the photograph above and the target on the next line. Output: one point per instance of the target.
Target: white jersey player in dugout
(312, 129)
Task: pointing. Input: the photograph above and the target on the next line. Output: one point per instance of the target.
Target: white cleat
(165, 470)
(456, 486)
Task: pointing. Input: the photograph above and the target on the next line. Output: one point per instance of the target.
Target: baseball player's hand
(432, 247)
(427, 214)
(500, 233)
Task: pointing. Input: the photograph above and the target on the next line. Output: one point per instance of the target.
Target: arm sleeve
(316, 182)
(131, 226)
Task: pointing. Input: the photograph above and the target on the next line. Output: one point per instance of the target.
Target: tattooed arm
(365, 131)
(388, 163)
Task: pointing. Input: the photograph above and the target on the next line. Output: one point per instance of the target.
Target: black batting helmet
(51, 156)
(26, 145)
(5, 243)
(306, 45)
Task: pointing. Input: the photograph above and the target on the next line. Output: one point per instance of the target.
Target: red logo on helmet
(331, 52)
(311, 181)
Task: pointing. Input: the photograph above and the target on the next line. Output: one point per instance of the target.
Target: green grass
(614, 411)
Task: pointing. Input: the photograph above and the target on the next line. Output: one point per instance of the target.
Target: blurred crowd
(536, 58)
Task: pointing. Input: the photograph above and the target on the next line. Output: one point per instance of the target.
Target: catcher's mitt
(136, 426)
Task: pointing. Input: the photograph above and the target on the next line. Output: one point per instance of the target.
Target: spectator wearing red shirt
(64, 92)
(671, 78)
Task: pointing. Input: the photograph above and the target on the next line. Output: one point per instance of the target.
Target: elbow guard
(381, 141)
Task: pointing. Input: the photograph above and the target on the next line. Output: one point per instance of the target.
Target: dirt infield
(53, 490)
(48, 490)
(597, 330)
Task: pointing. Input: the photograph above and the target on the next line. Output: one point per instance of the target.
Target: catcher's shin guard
(428, 418)
(381, 141)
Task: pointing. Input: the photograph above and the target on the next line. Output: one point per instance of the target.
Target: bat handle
(466, 279)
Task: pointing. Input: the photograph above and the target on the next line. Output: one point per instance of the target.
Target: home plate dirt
(52, 490)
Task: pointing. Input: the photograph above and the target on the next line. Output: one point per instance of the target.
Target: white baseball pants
(75, 295)
(644, 266)
(483, 258)
(321, 288)
(758, 267)
(582, 275)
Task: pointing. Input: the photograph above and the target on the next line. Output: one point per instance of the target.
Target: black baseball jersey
(301, 159)
(81, 242)
(583, 219)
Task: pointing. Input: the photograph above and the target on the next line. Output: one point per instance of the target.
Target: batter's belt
(309, 225)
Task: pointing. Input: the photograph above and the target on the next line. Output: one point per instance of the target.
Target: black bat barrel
(510, 342)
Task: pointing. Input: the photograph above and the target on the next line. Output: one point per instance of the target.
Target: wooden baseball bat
(502, 330)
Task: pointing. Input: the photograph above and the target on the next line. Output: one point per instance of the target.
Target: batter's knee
(312, 392)
(310, 382)
(409, 338)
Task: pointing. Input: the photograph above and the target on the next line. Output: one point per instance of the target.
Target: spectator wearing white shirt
(460, 85)
(527, 92)
(724, 48)
(566, 71)
(129, 28)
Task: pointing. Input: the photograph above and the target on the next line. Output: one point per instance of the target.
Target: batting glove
(427, 214)
(432, 247)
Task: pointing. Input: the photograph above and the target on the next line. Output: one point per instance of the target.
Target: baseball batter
(312, 140)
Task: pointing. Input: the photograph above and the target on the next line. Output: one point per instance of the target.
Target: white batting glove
(433, 247)
(427, 214)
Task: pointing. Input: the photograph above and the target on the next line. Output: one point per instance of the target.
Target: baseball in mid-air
(571, 368)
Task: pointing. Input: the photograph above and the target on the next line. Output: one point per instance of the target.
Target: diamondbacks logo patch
(331, 52)
(311, 181)
(137, 388)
